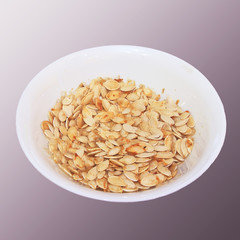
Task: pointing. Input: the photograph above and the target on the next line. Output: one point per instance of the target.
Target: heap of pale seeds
(113, 136)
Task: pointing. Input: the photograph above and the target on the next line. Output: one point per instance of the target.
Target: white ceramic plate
(151, 67)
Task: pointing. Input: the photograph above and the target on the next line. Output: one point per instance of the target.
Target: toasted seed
(89, 120)
(143, 169)
(67, 100)
(116, 162)
(87, 99)
(168, 162)
(153, 165)
(72, 133)
(130, 167)
(164, 155)
(181, 122)
(129, 128)
(178, 147)
(77, 177)
(142, 159)
(78, 162)
(116, 189)
(132, 97)
(113, 157)
(127, 88)
(167, 119)
(146, 154)
(160, 148)
(113, 95)
(103, 146)
(64, 169)
(184, 147)
(80, 152)
(135, 149)
(102, 183)
(165, 171)
(184, 115)
(82, 139)
(189, 144)
(49, 134)
(92, 184)
(103, 165)
(92, 173)
(116, 181)
(149, 180)
(160, 177)
(111, 85)
(101, 174)
(114, 151)
(191, 122)
(131, 176)
(128, 159)
(113, 142)
(182, 129)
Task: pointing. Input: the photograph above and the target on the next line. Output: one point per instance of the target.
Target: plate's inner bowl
(180, 80)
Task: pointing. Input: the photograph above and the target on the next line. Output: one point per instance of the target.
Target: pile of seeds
(116, 137)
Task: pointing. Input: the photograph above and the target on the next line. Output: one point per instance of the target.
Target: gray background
(34, 33)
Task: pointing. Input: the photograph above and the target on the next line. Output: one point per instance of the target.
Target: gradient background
(33, 33)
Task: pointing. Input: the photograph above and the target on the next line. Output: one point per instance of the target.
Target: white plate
(151, 67)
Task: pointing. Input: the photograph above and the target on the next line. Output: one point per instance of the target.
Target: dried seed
(114, 151)
(113, 95)
(130, 167)
(101, 174)
(82, 139)
(129, 128)
(80, 152)
(164, 170)
(191, 122)
(131, 176)
(181, 122)
(113, 142)
(49, 134)
(92, 173)
(128, 88)
(92, 184)
(161, 148)
(184, 147)
(149, 180)
(142, 159)
(103, 146)
(182, 129)
(68, 110)
(117, 127)
(116, 162)
(103, 165)
(135, 149)
(153, 165)
(111, 85)
(132, 97)
(167, 119)
(87, 99)
(184, 115)
(116, 181)
(102, 183)
(164, 155)
(189, 145)
(146, 154)
(67, 100)
(128, 159)
(115, 189)
(72, 133)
